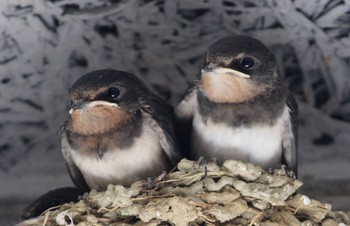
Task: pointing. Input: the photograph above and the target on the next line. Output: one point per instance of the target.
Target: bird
(117, 132)
(238, 107)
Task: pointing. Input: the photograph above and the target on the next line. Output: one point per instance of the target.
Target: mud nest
(199, 193)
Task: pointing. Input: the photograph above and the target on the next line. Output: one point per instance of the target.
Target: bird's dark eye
(113, 92)
(247, 62)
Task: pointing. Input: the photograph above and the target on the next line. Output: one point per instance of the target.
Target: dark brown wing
(184, 118)
(160, 117)
(290, 136)
(73, 170)
(50, 199)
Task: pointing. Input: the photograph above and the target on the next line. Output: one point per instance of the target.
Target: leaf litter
(199, 193)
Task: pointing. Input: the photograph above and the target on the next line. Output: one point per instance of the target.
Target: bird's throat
(97, 120)
(228, 88)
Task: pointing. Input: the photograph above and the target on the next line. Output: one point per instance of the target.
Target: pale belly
(260, 144)
(123, 166)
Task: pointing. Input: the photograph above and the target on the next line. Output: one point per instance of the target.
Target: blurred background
(46, 45)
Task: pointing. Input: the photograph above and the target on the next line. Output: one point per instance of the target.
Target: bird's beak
(76, 105)
(213, 68)
(81, 104)
(209, 68)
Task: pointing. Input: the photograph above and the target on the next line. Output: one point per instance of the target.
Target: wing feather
(74, 172)
(184, 118)
(290, 136)
(160, 118)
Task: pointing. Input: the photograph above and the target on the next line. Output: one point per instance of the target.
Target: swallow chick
(118, 131)
(239, 107)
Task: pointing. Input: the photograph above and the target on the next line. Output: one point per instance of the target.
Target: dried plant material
(190, 192)
(284, 217)
(133, 210)
(211, 185)
(248, 172)
(64, 218)
(196, 195)
(260, 204)
(328, 222)
(116, 196)
(252, 214)
(304, 205)
(237, 221)
(275, 196)
(343, 217)
(151, 223)
(269, 223)
(229, 211)
(226, 196)
(273, 180)
(200, 166)
(187, 165)
(176, 210)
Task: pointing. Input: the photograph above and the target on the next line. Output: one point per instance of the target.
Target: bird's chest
(260, 144)
(121, 165)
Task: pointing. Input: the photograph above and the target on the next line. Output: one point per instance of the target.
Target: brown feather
(98, 119)
(228, 88)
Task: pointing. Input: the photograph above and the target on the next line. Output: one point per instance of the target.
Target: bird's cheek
(98, 120)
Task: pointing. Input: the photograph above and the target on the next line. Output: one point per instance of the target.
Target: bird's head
(104, 100)
(237, 68)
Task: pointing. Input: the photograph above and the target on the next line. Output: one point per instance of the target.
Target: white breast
(122, 165)
(260, 144)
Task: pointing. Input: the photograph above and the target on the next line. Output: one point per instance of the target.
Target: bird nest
(198, 193)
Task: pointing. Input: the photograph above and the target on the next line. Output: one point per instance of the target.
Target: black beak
(210, 67)
(77, 104)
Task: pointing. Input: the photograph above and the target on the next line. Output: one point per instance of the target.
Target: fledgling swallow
(118, 131)
(239, 107)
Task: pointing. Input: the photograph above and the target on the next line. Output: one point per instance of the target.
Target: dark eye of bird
(113, 92)
(247, 63)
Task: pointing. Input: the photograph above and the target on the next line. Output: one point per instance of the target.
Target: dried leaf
(176, 210)
(229, 211)
(248, 171)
